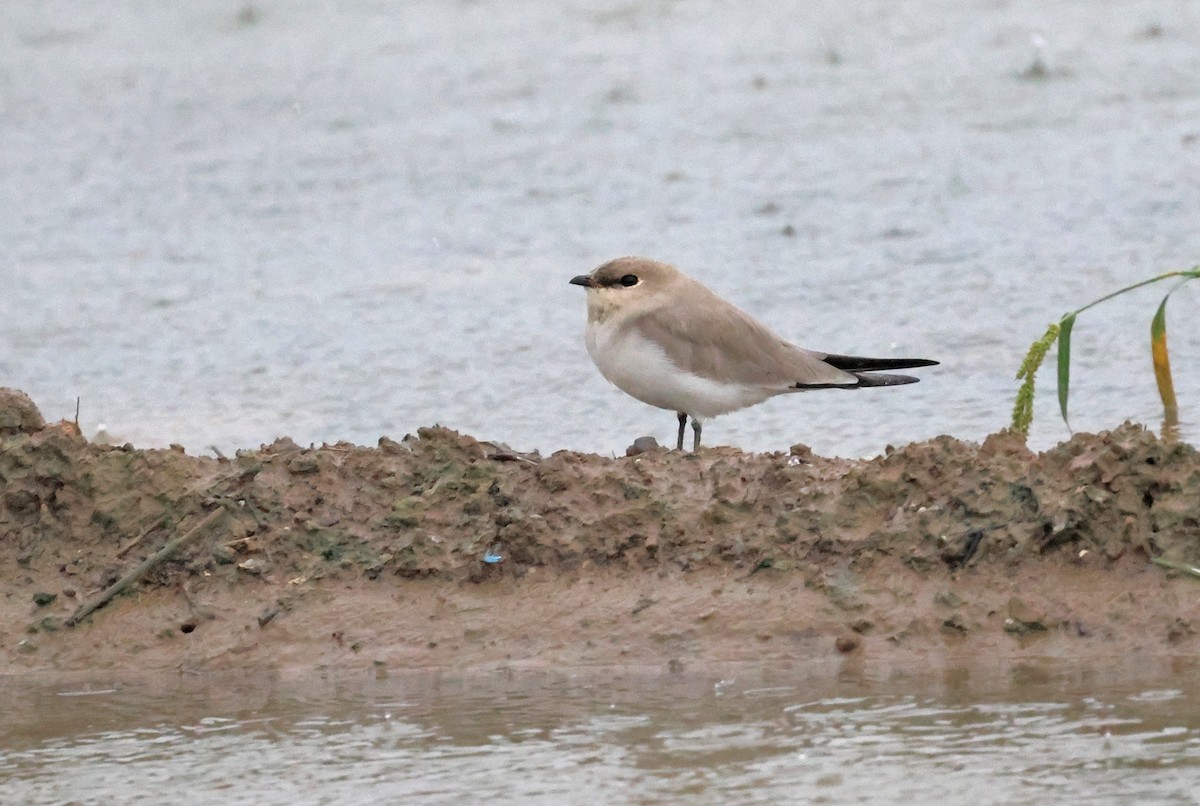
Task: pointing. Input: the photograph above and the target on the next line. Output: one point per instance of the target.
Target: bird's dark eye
(629, 279)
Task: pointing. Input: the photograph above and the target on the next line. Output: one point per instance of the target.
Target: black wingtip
(856, 363)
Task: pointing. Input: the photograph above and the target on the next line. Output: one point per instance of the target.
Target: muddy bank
(442, 550)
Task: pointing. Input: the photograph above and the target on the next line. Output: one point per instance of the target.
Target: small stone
(847, 643)
(22, 502)
(254, 565)
(18, 413)
(41, 599)
(642, 445)
(388, 445)
(266, 616)
(301, 465)
(48, 624)
(948, 599)
(1179, 630)
(1026, 617)
(801, 452)
(955, 623)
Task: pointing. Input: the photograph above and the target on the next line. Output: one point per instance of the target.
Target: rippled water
(1031, 738)
(337, 221)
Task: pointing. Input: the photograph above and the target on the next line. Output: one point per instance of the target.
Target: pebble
(847, 643)
(642, 445)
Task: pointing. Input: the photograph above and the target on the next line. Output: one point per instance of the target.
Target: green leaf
(1162, 361)
(1023, 406)
(1064, 363)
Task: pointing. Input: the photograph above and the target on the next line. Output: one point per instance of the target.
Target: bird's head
(627, 284)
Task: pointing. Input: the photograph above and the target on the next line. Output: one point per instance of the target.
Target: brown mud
(934, 553)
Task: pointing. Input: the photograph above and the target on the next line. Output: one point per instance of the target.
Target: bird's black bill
(584, 280)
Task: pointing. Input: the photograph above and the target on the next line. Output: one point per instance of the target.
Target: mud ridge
(441, 549)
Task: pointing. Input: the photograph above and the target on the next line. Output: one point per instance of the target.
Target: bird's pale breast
(639, 367)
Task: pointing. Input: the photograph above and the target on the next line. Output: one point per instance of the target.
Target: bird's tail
(866, 379)
(862, 369)
(865, 369)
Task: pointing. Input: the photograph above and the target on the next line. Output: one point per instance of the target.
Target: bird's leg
(696, 433)
(682, 425)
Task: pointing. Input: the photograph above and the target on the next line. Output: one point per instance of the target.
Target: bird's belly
(640, 368)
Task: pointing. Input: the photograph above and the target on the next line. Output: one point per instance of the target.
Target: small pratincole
(669, 341)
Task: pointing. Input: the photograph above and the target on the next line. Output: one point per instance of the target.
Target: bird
(671, 342)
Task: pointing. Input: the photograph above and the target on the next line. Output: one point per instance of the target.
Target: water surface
(1029, 736)
(341, 221)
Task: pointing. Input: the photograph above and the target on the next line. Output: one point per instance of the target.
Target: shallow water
(1031, 736)
(340, 221)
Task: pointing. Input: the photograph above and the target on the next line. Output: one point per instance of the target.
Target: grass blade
(1162, 362)
(1064, 364)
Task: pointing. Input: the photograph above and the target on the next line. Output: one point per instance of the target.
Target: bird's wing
(707, 336)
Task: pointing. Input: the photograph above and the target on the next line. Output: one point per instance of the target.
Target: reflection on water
(576, 739)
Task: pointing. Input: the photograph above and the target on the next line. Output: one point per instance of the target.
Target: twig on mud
(959, 557)
(642, 604)
(155, 524)
(1190, 570)
(105, 596)
(195, 607)
(761, 565)
(502, 453)
(500, 456)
